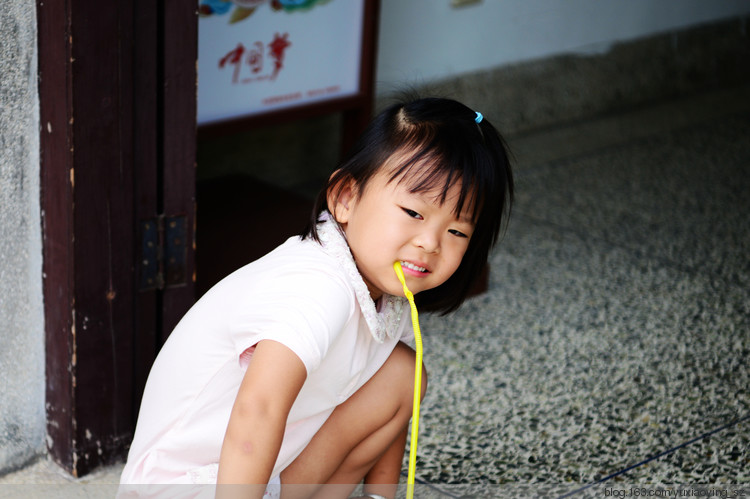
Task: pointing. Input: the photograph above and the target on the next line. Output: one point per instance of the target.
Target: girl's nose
(428, 240)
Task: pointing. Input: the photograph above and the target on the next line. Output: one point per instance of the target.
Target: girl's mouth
(413, 267)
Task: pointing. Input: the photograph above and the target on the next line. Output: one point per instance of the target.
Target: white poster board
(281, 54)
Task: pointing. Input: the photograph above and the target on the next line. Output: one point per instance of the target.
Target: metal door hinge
(163, 252)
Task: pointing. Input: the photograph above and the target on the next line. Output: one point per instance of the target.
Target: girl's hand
(258, 419)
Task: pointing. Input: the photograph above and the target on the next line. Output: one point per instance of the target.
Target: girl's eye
(457, 233)
(412, 213)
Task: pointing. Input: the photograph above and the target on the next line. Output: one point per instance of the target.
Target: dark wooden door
(117, 113)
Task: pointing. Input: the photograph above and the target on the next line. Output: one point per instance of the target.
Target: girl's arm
(256, 425)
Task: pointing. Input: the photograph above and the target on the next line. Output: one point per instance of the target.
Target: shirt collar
(382, 320)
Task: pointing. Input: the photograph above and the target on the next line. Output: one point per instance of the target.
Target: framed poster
(261, 59)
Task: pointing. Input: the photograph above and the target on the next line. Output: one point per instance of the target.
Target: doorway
(119, 181)
(256, 188)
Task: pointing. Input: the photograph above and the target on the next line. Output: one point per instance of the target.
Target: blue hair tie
(479, 118)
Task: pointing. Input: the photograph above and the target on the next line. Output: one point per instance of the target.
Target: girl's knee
(404, 360)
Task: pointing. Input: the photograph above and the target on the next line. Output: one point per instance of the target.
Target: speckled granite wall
(22, 423)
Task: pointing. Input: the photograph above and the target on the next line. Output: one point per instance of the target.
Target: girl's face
(386, 223)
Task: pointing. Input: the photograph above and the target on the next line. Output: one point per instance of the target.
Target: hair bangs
(431, 168)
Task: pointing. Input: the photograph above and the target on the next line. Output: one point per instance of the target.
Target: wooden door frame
(117, 135)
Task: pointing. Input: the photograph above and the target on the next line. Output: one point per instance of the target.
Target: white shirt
(305, 295)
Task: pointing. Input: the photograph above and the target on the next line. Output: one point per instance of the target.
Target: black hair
(443, 134)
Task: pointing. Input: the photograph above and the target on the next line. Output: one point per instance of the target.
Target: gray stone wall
(543, 93)
(22, 415)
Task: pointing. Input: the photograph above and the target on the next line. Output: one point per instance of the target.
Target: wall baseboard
(545, 92)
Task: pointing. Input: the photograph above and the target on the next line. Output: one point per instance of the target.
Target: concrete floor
(612, 345)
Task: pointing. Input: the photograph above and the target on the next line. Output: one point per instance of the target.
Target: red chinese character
(276, 51)
(255, 58)
(234, 57)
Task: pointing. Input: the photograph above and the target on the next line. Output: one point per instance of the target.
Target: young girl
(292, 370)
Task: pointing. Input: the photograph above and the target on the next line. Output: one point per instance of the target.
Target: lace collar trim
(384, 320)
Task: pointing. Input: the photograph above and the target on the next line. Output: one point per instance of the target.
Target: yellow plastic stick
(417, 382)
